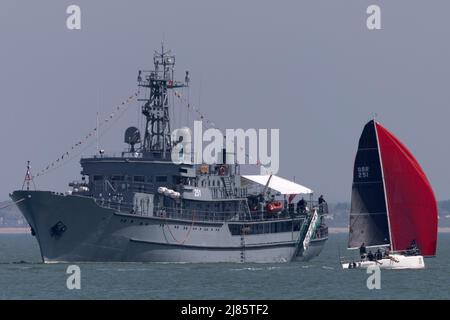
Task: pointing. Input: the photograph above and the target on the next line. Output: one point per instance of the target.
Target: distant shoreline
(15, 230)
(331, 230)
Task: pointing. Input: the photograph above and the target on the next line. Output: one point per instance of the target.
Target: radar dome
(132, 137)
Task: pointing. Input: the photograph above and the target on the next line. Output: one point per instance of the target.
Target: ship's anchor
(57, 230)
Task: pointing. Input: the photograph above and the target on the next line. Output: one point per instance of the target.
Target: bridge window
(161, 178)
(138, 178)
(176, 179)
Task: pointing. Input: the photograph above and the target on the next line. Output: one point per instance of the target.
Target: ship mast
(157, 82)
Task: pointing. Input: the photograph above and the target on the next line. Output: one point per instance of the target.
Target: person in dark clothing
(301, 206)
(378, 254)
(362, 251)
(321, 199)
(323, 206)
(412, 250)
(370, 256)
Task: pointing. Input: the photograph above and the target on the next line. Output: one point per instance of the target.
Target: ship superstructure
(141, 206)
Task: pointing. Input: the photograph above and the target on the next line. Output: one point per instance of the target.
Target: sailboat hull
(395, 261)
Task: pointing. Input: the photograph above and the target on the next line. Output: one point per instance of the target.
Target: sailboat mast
(384, 186)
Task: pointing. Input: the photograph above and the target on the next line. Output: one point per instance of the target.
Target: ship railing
(322, 208)
(123, 154)
(201, 215)
(137, 187)
(192, 214)
(221, 193)
(217, 216)
(116, 205)
(170, 213)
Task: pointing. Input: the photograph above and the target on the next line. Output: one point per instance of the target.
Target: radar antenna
(132, 137)
(157, 140)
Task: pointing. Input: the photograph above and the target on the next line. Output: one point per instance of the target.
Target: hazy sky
(310, 68)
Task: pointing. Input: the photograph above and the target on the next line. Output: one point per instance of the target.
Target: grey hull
(89, 232)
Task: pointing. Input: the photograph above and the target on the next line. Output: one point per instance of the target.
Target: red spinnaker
(412, 208)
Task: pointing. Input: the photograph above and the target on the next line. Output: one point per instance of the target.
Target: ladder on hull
(307, 230)
(228, 187)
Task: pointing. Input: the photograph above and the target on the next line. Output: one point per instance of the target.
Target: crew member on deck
(412, 250)
(323, 207)
(362, 251)
(301, 206)
(321, 199)
(378, 255)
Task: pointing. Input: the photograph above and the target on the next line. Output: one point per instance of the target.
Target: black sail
(368, 215)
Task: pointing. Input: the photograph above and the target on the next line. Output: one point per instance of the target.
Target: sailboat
(393, 207)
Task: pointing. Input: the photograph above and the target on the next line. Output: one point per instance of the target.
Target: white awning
(279, 184)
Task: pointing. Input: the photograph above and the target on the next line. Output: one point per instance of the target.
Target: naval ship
(140, 206)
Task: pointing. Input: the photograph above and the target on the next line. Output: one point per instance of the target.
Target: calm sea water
(23, 276)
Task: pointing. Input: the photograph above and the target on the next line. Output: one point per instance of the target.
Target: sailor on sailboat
(393, 205)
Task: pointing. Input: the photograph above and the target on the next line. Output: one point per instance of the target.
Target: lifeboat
(274, 207)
